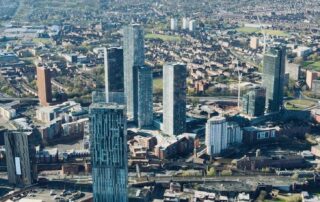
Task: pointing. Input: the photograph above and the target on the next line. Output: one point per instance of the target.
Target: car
(31, 195)
(52, 193)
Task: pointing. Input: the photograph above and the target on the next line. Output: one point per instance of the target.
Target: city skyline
(158, 101)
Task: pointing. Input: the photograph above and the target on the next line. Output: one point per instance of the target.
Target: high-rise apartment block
(254, 43)
(44, 85)
(174, 24)
(108, 127)
(174, 98)
(21, 157)
(216, 135)
(310, 76)
(185, 23)
(133, 47)
(253, 103)
(221, 134)
(273, 77)
(114, 79)
(145, 97)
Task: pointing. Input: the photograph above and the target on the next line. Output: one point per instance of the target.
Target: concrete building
(254, 134)
(75, 129)
(174, 146)
(7, 112)
(174, 98)
(253, 103)
(114, 86)
(173, 24)
(68, 111)
(294, 71)
(234, 134)
(254, 43)
(310, 76)
(302, 51)
(44, 85)
(133, 50)
(185, 23)
(315, 150)
(281, 162)
(145, 95)
(216, 135)
(192, 25)
(20, 157)
(316, 87)
(273, 77)
(8, 58)
(109, 152)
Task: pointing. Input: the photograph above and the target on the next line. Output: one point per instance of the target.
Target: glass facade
(174, 98)
(273, 77)
(108, 129)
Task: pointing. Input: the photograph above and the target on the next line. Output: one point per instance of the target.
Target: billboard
(18, 165)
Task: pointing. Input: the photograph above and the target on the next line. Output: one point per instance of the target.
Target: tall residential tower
(44, 85)
(145, 97)
(273, 77)
(21, 157)
(114, 82)
(109, 159)
(133, 47)
(174, 98)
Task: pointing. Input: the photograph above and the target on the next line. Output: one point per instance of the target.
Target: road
(216, 98)
(267, 179)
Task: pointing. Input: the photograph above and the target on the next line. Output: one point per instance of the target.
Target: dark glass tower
(253, 103)
(20, 157)
(174, 98)
(114, 75)
(145, 102)
(273, 77)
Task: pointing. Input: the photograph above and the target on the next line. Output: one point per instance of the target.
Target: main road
(201, 98)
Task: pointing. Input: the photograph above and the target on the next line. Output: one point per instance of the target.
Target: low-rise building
(180, 145)
(315, 150)
(253, 134)
(68, 111)
(75, 128)
(7, 113)
(260, 162)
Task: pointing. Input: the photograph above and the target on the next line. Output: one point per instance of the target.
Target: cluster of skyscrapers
(269, 96)
(129, 96)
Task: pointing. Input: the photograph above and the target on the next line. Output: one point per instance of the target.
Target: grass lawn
(45, 41)
(163, 37)
(250, 30)
(299, 104)
(292, 198)
(313, 65)
(157, 84)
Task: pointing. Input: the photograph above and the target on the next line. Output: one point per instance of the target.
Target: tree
(212, 172)
(226, 173)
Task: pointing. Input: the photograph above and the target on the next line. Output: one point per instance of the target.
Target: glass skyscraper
(273, 77)
(253, 102)
(174, 98)
(133, 47)
(21, 157)
(114, 75)
(145, 95)
(109, 159)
